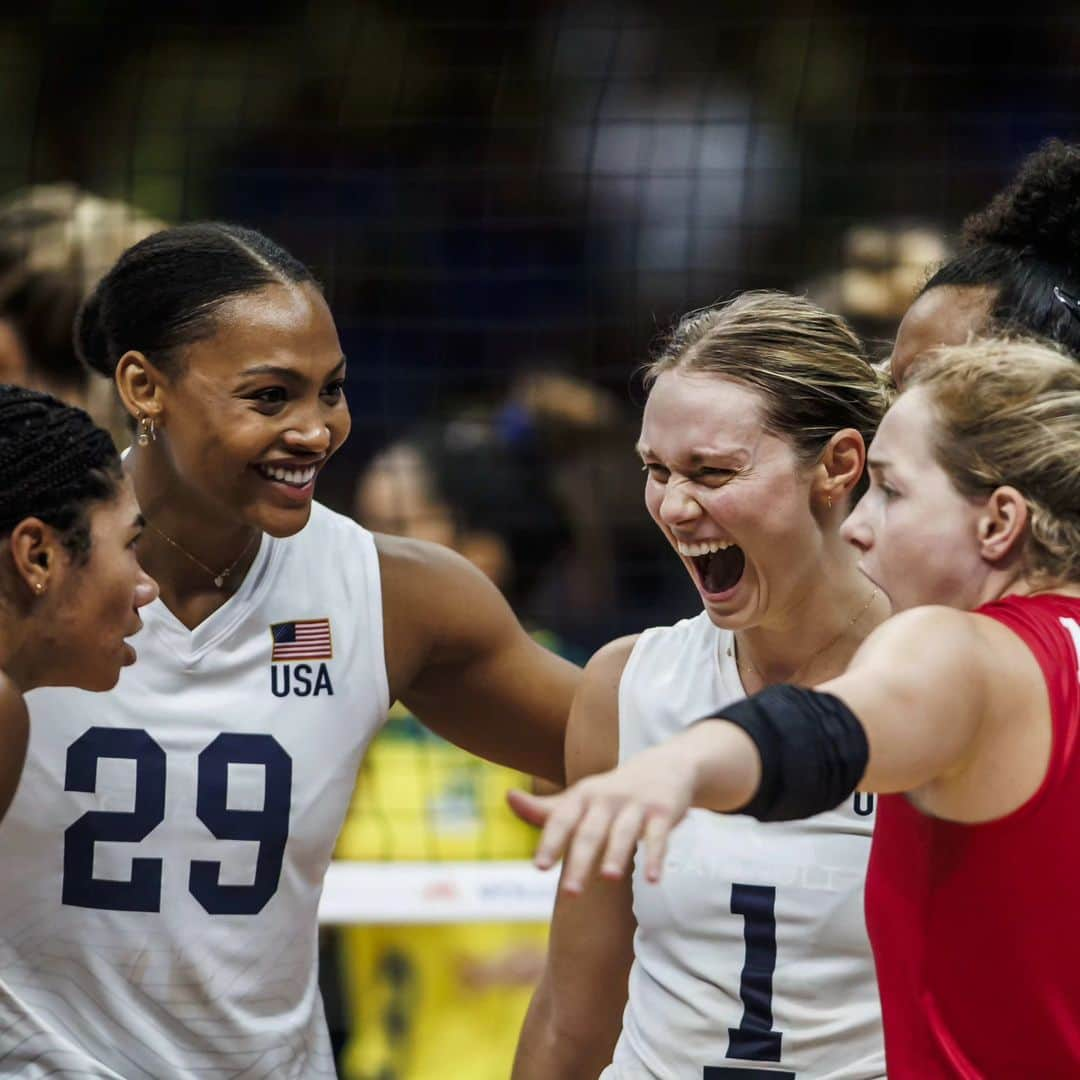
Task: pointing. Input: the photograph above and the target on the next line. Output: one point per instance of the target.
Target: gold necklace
(814, 655)
(219, 579)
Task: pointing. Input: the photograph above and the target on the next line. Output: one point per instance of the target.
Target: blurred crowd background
(507, 204)
(493, 193)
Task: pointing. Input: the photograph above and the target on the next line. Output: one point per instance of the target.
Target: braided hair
(54, 462)
(1025, 246)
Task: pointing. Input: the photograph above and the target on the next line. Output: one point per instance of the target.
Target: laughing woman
(162, 873)
(964, 708)
(753, 953)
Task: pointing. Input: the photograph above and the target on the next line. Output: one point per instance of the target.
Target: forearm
(727, 768)
(547, 1049)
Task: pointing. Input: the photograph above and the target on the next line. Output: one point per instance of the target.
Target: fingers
(585, 846)
(564, 813)
(657, 830)
(622, 842)
(532, 809)
(584, 821)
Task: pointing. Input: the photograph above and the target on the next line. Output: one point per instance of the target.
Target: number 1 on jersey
(754, 1039)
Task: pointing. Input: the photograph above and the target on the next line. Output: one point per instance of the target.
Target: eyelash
(263, 397)
(658, 472)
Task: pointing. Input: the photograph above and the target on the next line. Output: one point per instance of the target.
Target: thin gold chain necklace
(813, 656)
(219, 579)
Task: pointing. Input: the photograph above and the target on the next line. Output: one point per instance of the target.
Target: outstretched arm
(460, 660)
(931, 690)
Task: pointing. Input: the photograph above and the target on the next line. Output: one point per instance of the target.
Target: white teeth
(703, 547)
(299, 477)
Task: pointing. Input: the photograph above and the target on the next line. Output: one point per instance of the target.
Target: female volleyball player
(968, 711)
(753, 952)
(1018, 268)
(70, 586)
(162, 874)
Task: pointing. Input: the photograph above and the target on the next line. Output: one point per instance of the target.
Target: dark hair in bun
(1025, 245)
(164, 292)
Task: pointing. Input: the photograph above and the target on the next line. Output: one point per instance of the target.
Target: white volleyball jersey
(164, 855)
(751, 953)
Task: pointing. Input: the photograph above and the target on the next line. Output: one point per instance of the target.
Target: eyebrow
(878, 462)
(286, 372)
(696, 457)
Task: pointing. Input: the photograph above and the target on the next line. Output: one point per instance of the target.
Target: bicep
(479, 679)
(918, 687)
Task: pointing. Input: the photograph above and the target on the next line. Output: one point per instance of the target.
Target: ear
(36, 551)
(841, 465)
(1002, 524)
(140, 384)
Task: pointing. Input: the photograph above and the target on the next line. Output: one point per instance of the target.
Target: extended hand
(643, 799)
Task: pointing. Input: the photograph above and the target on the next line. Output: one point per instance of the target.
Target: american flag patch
(304, 639)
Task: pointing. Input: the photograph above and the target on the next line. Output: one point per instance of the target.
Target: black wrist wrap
(813, 751)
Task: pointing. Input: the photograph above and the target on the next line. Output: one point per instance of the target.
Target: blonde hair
(56, 241)
(1007, 412)
(808, 366)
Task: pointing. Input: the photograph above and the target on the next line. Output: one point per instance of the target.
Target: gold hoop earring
(147, 434)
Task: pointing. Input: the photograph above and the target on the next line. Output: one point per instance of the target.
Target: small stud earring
(147, 434)
(829, 498)
(39, 587)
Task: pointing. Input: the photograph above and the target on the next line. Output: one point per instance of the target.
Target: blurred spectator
(56, 240)
(882, 269)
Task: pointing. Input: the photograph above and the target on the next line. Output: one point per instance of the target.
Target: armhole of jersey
(376, 639)
(1023, 625)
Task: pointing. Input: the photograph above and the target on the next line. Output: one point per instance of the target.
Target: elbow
(557, 1043)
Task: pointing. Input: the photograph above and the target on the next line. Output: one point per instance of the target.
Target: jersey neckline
(192, 644)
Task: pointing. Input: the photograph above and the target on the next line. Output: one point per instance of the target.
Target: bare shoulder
(422, 580)
(922, 639)
(409, 566)
(12, 703)
(592, 736)
(436, 604)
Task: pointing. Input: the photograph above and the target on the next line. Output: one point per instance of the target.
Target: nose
(678, 506)
(146, 589)
(310, 434)
(856, 527)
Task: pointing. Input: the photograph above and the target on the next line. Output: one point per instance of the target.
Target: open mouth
(719, 565)
(293, 476)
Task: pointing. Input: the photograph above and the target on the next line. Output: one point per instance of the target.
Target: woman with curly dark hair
(70, 586)
(1018, 267)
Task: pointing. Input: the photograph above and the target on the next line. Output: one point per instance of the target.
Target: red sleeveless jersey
(976, 928)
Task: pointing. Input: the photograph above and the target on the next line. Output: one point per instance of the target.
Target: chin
(281, 524)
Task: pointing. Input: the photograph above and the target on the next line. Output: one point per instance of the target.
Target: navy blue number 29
(142, 892)
(754, 1039)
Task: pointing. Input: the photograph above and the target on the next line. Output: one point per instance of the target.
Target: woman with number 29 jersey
(752, 954)
(164, 853)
